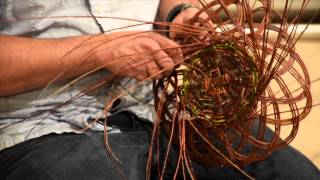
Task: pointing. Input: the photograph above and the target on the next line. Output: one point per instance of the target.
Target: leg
(72, 156)
(283, 164)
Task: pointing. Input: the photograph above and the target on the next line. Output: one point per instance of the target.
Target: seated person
(35, 51)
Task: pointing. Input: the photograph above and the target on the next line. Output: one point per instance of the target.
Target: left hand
(187, 17)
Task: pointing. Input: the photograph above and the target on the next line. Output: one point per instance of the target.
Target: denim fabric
(71, 156)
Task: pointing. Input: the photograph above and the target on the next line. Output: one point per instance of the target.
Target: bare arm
(27, 63)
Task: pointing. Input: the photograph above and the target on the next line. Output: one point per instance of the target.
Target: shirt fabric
(19, 119)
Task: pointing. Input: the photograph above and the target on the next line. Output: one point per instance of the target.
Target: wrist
(166, 6)
(175, 11)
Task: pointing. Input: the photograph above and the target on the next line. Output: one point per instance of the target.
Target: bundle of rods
(216, 106)
(240, 75)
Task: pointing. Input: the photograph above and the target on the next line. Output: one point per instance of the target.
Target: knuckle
(148, 42)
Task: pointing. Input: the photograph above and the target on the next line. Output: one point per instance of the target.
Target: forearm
(166, 6)
(27, 63)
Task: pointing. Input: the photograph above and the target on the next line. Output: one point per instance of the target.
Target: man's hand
(27, 63)
(139, 55)
(187, 17)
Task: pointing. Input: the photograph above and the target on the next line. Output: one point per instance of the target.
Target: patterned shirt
(20, 115)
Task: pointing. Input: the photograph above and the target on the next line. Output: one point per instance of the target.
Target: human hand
(188, 17)
(139, 55)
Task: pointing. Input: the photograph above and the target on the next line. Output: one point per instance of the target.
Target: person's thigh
(285, 163)
(282, 164)
(71, 156)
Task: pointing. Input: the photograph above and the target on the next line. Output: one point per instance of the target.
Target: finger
(164, 61)
(175, 53)
(199, 23)
(154, 70)
(141, 73)
(138, 67)
(171, 48)
(139, 77)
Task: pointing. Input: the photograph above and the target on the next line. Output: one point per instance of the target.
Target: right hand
(139, 55)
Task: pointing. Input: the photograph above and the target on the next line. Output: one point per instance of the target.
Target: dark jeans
(72, 156)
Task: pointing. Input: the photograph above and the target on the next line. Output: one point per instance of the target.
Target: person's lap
(72, 156)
